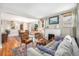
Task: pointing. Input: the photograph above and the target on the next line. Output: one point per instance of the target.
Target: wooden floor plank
(8, 46)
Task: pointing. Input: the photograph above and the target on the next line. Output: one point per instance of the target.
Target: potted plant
(36, 27)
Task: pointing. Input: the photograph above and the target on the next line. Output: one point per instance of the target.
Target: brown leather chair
(4, 37)
(41, 39)
(25, 37)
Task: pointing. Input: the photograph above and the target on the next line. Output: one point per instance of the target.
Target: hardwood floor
(6, 50)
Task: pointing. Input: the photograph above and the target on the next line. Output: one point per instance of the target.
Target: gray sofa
(39, 51)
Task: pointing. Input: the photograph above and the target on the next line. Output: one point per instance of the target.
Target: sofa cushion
(46, 50)
(59, 38)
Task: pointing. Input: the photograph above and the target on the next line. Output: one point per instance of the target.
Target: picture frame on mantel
(54, 20)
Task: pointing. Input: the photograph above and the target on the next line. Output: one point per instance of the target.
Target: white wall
(6, 18)
(0, 32)
(64, 30)
(77, 24)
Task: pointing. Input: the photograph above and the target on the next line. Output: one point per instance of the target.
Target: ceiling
(35, 10)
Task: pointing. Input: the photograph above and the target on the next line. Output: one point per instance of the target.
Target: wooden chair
(25, 37)
(4, 37)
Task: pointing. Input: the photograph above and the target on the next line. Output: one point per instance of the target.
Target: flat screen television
(54, 20)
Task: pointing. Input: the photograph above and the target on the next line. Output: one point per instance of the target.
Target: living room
(21, 25)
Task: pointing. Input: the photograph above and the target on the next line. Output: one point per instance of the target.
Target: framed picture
(54, 20)
(68, 20)
(12, 24)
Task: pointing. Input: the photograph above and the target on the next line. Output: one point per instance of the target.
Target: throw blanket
(50, 50)
(68, 47)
